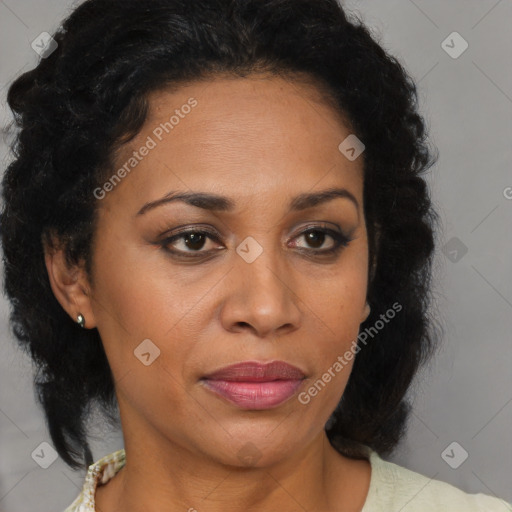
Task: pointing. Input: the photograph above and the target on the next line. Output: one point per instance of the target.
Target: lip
(254, 371)
(255, 385)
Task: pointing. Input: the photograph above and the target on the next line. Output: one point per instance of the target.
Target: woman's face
(261, 285)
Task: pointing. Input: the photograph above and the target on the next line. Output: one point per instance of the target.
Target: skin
(260, 141)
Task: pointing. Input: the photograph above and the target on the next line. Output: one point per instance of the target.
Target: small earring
(80, 320)
(368, 310)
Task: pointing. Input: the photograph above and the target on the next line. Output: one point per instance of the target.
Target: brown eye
(189, 242)
(195, 241)
(316, 238)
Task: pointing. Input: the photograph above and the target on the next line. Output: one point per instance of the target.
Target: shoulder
(98, 473)
(394, 487)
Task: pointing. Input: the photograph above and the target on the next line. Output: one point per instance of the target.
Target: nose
(261, 298)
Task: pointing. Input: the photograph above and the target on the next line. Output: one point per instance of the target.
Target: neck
(315, 478)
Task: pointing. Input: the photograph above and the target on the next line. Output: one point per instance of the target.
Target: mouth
(254, 385)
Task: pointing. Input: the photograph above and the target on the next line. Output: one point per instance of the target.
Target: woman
(216, 223)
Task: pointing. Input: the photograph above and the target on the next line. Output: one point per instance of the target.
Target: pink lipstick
(254, 385)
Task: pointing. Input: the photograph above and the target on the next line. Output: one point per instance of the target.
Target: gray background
(466, 395)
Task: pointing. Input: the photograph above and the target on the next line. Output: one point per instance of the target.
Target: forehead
(298, 91)
(252, 133)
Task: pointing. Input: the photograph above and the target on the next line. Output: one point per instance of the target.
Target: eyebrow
(213, 202)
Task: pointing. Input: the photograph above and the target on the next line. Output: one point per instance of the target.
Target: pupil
(194, 241)
(315, 237)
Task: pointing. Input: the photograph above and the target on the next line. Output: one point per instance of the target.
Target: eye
(316, 237)
(192, 241)
(195, 243)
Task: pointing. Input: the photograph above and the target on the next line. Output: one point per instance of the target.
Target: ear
(69, 285)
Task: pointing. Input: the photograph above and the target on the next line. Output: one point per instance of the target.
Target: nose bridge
(265, 276)
(261, 295)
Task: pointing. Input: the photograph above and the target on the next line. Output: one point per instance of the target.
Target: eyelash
(340, 241)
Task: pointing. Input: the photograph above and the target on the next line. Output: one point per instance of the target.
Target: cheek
(332, 360)
(141, 308)
(338, 305)
(130, 292)
(339, 299)
(334, 353)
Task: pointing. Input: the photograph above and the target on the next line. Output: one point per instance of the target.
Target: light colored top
(393, 488)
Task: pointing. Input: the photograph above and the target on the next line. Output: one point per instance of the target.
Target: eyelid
(320, 224)
(187, 228)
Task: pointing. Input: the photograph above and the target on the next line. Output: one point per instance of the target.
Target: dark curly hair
(89, 96)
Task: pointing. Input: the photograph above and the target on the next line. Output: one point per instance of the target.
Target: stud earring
(80, 320)
(367, 311)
